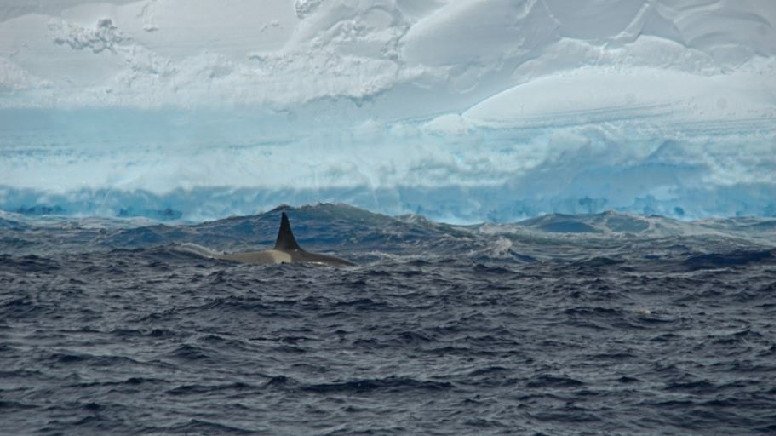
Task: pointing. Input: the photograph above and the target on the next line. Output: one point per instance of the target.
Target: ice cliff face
(464, 110)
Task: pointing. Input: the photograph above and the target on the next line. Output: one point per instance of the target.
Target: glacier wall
(463, 110)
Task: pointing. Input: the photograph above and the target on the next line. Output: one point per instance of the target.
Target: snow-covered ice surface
(465, 110)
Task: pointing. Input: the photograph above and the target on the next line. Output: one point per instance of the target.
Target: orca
(286, 250)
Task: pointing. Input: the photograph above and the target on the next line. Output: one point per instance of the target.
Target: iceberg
(464, 111)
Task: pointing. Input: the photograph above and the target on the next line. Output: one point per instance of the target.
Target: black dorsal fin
(286, 240)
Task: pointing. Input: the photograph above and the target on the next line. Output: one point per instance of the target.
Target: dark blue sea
(559, 325)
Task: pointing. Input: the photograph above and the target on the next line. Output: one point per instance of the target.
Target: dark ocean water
(601, 324)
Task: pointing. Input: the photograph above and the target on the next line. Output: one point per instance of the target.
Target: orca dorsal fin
(286, 240)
